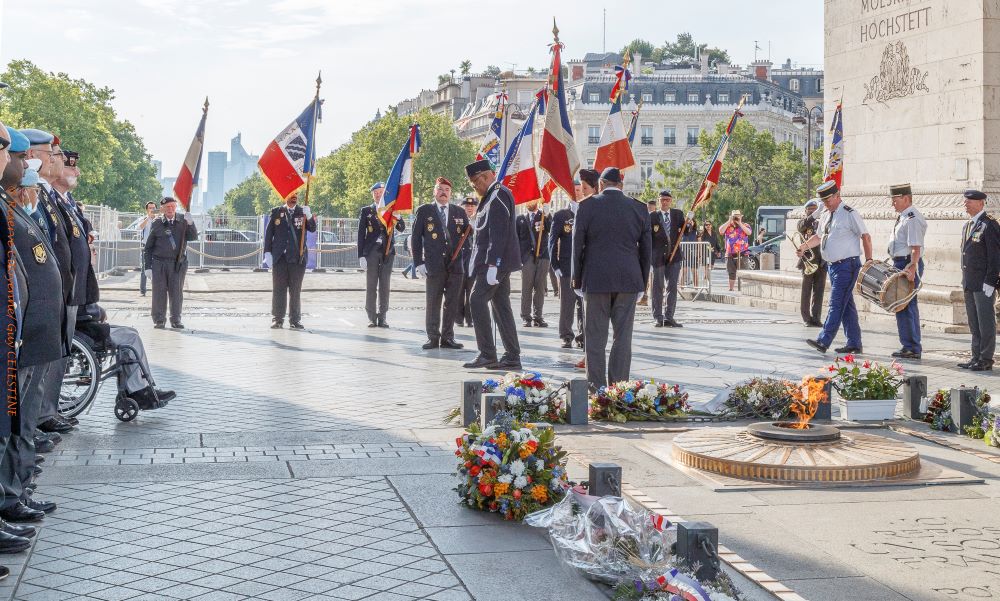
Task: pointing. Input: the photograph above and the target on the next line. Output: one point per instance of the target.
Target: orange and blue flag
(835, 160)
(398, 195)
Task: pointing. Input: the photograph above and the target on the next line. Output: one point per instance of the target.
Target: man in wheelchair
(135, 380)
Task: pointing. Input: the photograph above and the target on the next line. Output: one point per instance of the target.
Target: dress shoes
(53, 437)
(10, 543)
(452, 344)
(277, 324)
(147, 400)
(382, 323)
(21, 513)
(72, 420)
(296, 325)
(165, 395)
(468, 323)
(36, 471)
(967, 365)
(159, 325)
(981, 366)
(527, 323)
(43, 506)
(39, 459)
(510, 364)
(568, 343)
(430, 344)
(541, 323)
(579, 342)
(373, 324)
(481, 362)
(54, 425)
(898, 354)
(816, 345)
(659, 324)
(43, 445)
(177, 326)
(906, 354)
(848, 349)
(22, 531)
(670, 323)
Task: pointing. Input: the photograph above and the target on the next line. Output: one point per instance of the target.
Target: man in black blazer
(495, 256)
(666, 226)
(611, 253)
(376, 252)
(980, 273)
(282, 244)
(438, 230)
(533, 230)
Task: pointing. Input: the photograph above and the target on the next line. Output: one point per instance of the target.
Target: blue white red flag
(518, 169)
(835, 160)
(398, 195)
(615, 148)
(711, 181)
(187, 179)
(491, 146)
(634, 124)
(558, 157)
(291, 155)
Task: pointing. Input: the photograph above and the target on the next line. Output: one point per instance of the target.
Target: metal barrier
(696, 267)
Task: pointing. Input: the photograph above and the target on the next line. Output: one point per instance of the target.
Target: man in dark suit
(666, 226)
(532, 235)
(437, 239)
(495, 256)
(464, 316)
(611, 252)
(980, 273)
(813, 284)
(561, 251)
(376, 252)
(167, 261)
(285, 253)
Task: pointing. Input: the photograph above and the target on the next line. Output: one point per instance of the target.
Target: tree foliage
(640, 46)
(465, 67)
(115, 167)
(757, 171)
(491, 71)
(685, 48)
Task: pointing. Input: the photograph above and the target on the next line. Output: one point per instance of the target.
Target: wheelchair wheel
(81, 380)
(126, 409)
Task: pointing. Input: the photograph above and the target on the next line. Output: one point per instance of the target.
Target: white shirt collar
(975, 218)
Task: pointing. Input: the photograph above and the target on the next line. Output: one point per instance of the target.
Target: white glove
(988, 290)
(189, 218)
(421, 270)
(149, 273)
(558, 272)
(578, 292)
(268, 259)
(364, 263)
(491, 276)
(307, 212)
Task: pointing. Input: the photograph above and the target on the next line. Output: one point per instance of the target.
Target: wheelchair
(94, 359)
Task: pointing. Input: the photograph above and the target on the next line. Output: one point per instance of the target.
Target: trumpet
(809, 262)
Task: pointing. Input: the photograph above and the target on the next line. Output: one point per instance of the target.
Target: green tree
(757, 171)
(465, 66)
(254, 196)
(115, 167)
(643, 47)
(491, 71)
(685, 48)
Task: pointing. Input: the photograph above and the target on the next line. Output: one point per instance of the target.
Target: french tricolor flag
(518, 169)
(187, 179)
(292, 153)
(615, 149)
(398, 195)
(558, 156)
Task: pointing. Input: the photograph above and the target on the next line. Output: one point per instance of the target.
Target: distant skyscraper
(227, 172)
(215, 191)
(158, 167)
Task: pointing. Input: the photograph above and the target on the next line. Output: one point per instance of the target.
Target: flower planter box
(867, 410)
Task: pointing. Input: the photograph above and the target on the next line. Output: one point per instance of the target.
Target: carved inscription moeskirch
(896, 78)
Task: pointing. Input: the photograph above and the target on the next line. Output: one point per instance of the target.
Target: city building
(225, 172)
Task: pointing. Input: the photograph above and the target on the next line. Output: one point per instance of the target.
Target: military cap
(666, 193)
(651, 203)
(70, 157)
(442, 181)
(29, 179)
(18, 143)
(167, 200)
(812, 202)
(590, 176)
(470, 201)
(37, 136)
(974, 195)
(474, 169)
(827, 189)
(612, 175)
(376, 186)
(900, 190)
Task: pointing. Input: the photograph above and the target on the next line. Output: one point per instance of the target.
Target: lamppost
(806, 119)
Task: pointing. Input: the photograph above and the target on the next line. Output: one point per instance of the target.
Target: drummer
(840, 229)
(906, 249)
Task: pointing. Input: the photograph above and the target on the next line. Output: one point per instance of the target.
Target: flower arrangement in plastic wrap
(868, 380)
(530, 398)
(638, 400)
(992, 436)
(983, 420)
(760, 398)
(938, 413)
(511, 468)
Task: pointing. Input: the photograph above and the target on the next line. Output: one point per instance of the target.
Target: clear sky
(257, 60)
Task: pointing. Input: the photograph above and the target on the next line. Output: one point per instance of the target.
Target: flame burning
(806, 399)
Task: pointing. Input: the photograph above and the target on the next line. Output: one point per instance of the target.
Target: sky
(257, 60)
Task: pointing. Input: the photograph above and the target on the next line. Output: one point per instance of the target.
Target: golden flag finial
(555, 30)
(206, 104)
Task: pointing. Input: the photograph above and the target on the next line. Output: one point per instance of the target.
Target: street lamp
(806, 119)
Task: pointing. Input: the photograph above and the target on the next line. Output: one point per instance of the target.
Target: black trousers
(465, 308)
(377, 274)
(168, 284)
(665, 279)
(533, 274)
(286, 280)
(18, 461)
(811, 303)
(496, 298)
(446, 287)
(618, 311)
(570, 305)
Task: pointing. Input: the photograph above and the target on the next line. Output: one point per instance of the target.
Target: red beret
(442, 181)
(55, 140)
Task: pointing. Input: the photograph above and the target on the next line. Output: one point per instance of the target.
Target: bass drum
(886, 286)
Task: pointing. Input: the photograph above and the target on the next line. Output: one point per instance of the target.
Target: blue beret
(612, 175)
(30, 178)
(18, 143)
(812, 202)
(975, 195)
(37, 136)
(376, 186)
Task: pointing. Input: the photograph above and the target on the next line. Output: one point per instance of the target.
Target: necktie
(666, 220)
(892, 241)
(442, 211)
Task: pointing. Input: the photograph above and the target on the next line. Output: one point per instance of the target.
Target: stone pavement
(315, 465)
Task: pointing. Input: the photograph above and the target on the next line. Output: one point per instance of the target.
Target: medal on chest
(38, 251)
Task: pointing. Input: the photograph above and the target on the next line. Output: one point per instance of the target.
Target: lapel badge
(39, 252)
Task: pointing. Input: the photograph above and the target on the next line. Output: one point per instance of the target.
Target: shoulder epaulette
(990, 217)
(848, 208)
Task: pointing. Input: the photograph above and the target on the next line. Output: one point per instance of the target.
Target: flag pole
(312, 159)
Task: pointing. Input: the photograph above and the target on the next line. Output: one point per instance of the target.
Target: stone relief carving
(896, 77)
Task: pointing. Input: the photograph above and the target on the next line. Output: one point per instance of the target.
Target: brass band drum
(886, 286)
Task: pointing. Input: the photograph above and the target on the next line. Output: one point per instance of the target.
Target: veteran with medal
(980, 275)
(906, 247)
(561, 250)
(167, 262)
(376, 254)
(285, 254)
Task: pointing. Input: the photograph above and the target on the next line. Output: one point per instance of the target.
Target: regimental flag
(398, 195)
(187, 179)
(518, 169)
(548, 189)
(558, 156)
(711, 181)
(615, 148)
(835, 160)
(491, 146)
(634, 124)
(291, 157)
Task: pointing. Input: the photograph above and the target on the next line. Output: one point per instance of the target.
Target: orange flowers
(502, 441)
(539, 493)
(501, 488)
(528, 449)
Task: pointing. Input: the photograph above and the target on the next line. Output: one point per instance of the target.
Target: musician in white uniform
(906, 247)
(841, 228)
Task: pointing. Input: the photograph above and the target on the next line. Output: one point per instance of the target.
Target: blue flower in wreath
(629, 397)
(490, 385)
(504, 506)
(534, 375)
(513, 390)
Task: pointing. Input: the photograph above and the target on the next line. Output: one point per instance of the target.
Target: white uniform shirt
(841, 233)
(909, 231)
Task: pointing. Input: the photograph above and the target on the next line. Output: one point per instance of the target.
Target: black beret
(651, 202)
(900, 190)
(974, 195)
(666, 193)
(167, 200)
(827, 189)
(612, 175)
(470, 201)
(474, 169)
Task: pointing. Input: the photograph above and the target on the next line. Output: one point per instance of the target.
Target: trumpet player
(813, 270)
(906, 249)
